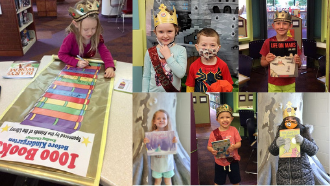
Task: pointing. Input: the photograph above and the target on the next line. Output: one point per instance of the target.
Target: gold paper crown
(83, 10)
(282, 16)
(289, 111)
(165, 17)
(224, 108)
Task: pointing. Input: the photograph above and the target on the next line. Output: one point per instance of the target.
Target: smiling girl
(166, 63)
(84, 38)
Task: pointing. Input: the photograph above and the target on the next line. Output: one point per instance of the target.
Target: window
(245, 32)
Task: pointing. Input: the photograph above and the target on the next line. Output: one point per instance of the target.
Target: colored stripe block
(67, 98)
(77, 74)
(74, 81)
(61, 108)
(72, 89)
(65, 104)
(67, 93)
(47, 122)
(55, 114)
(73, 85)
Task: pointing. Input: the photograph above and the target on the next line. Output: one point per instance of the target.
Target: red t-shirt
(201, 74)
(279, 81)
(234, 137)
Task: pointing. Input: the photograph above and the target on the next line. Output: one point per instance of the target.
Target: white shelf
(23, 8)
(30, 17)
(31, 42)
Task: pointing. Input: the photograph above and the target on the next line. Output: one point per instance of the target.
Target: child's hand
(214, 152)
(82, 64)
(146, 140)
(165, 51)
(270, 57)
(174, 140)
(109, 73)
(299, 138)
(297, 60)
(231, 149)
(280, 141)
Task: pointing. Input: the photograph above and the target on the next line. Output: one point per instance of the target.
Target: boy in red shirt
(226, 166)
(282, 23)
(209, 68)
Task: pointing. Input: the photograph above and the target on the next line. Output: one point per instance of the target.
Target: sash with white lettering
(166, 83)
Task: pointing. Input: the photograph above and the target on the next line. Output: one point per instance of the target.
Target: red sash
(218, 137)
(166, 83)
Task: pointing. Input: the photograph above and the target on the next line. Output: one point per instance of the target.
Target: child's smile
(165, 33)
(281, 27)
(225, 120)
(160, 120)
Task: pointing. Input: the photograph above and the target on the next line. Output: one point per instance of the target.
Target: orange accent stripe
(55, 114)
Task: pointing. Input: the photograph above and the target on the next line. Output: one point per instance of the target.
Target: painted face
(290, 122)
(207, 47)
(225, 119)
(165, 33)
(281, 27)
(88, 28)
(160, 120)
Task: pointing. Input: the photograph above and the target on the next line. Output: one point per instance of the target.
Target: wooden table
(242, 79)
(117, 162)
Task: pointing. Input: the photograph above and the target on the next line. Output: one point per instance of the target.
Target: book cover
(221, 146)
(290, 149)
(161, 143)
(22, 69)
(283, 65)
(124, 85)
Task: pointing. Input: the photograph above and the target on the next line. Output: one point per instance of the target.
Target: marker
(82, 59)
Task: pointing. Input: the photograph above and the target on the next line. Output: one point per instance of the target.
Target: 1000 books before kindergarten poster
(78, 150)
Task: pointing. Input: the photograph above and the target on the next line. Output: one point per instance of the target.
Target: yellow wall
(202, 110)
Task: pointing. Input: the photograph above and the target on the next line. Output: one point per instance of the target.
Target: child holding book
(282, 23)
(84, 38)
(166, 63)
(209, 68)
(295, 170)
(162, 166)
(226, 166)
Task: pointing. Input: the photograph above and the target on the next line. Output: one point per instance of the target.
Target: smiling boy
(209, 68)
(282, 23)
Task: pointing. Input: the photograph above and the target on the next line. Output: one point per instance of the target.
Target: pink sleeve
(237, 136)
(211, 139)
(265, 48)
(66, 47)
(106, 56)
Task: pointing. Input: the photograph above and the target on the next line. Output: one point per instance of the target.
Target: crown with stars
(224, 108)
(83, 10)
(165, 17)
(289, 110)
(282, 16)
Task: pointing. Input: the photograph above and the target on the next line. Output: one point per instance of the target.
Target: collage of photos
(164, 92)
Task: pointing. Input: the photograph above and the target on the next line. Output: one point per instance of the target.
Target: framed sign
(242, 98)
(240, 23)
(295, 23)
(194, 99)
(250, 97)
(202, 99)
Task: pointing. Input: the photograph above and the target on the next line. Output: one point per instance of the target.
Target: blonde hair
(153, 125)
(95, 39)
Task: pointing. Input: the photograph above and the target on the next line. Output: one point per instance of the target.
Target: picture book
(283, 65)
(291, 148)
(22, 69)
(161, 143)
(124, 85)
(221, 146)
